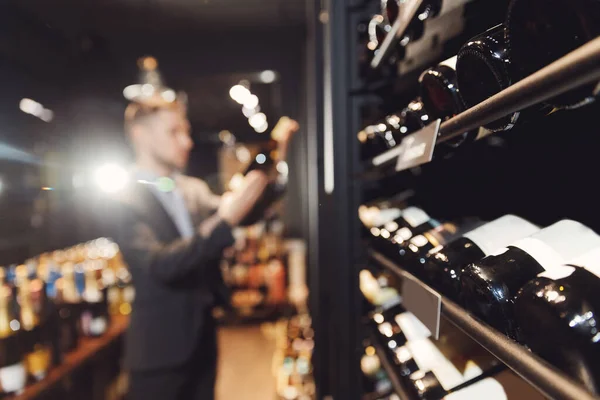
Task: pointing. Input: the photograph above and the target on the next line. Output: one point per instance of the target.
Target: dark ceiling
(89, 49)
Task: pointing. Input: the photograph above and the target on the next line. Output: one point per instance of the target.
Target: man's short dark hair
(137, 113)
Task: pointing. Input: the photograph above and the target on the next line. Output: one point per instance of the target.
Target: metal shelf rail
(578, 68)
(545, 378)
(397, 384)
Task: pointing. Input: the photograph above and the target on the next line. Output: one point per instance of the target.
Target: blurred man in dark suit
(172, 231)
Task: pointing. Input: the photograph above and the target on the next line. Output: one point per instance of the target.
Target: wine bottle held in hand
(558, 314)
(274, 165)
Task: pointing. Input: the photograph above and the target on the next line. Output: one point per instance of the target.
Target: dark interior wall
(82, 82)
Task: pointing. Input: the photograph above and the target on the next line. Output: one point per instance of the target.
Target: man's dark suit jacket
(176, 280)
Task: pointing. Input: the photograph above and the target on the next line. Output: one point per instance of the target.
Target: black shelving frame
(336, 253)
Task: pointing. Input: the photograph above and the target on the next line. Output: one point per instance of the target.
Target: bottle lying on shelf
(412, 253)
(389, 238)
(488, 286)
(539, 32)
(443, 266)
(441, 97)
(558, 313)
(377, 379)
(482, 71)
(377, 138)
(13, 375)
(438, 376)
(416, 28)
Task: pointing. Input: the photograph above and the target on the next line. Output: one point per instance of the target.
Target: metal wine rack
(545, 378)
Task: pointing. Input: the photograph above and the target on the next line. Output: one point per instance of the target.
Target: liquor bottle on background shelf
(490, 284)
(441, 97)
(539, 32)
(557, 314)
(68, 303)
(49, 275)
(13, 375)
(273, 163)
(443, 265)
(94, 310)
(36, 346)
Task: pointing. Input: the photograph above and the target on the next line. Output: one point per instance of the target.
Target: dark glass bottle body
(559, 321)
(378, 138)
(538, 32)
(441, 97)
(482, 70)
(428, 9)
(443, 266)
(413, 252)
(488, 286)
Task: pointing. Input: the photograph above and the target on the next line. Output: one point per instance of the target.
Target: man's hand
(237, 204)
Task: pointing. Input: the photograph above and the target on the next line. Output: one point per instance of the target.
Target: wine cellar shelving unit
(338, 185)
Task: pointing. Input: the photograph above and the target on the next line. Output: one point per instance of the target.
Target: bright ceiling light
(262, 128)
(251, 101)
(268, 76)
(34, 108)
(111, 178)
(239, 93)
(248, 112)
(257, 120)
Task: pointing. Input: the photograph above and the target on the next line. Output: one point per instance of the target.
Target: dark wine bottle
(443, 265)
(13, 375)
(428, 9)
(538, 32)
(558, 313)
(412, 253)
(438, 375)
(441, 97)
(36, 345)
(482, 70)
(68, 303)
(274, 164)
(378, 138)
(389, 238)
(490, 284)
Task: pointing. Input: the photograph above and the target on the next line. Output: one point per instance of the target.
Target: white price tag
(417, 148)
(424, 303)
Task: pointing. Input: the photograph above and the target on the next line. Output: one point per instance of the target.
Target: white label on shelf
(451, 62)
(417, 148)
(415, 216)
(424, 303)
(411, 327)
(13, 378)
(500, 233)
(589, 261)
(488, 389)
(559, 244)
(429, 358)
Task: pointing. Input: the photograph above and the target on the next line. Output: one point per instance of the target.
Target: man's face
(166, 138)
